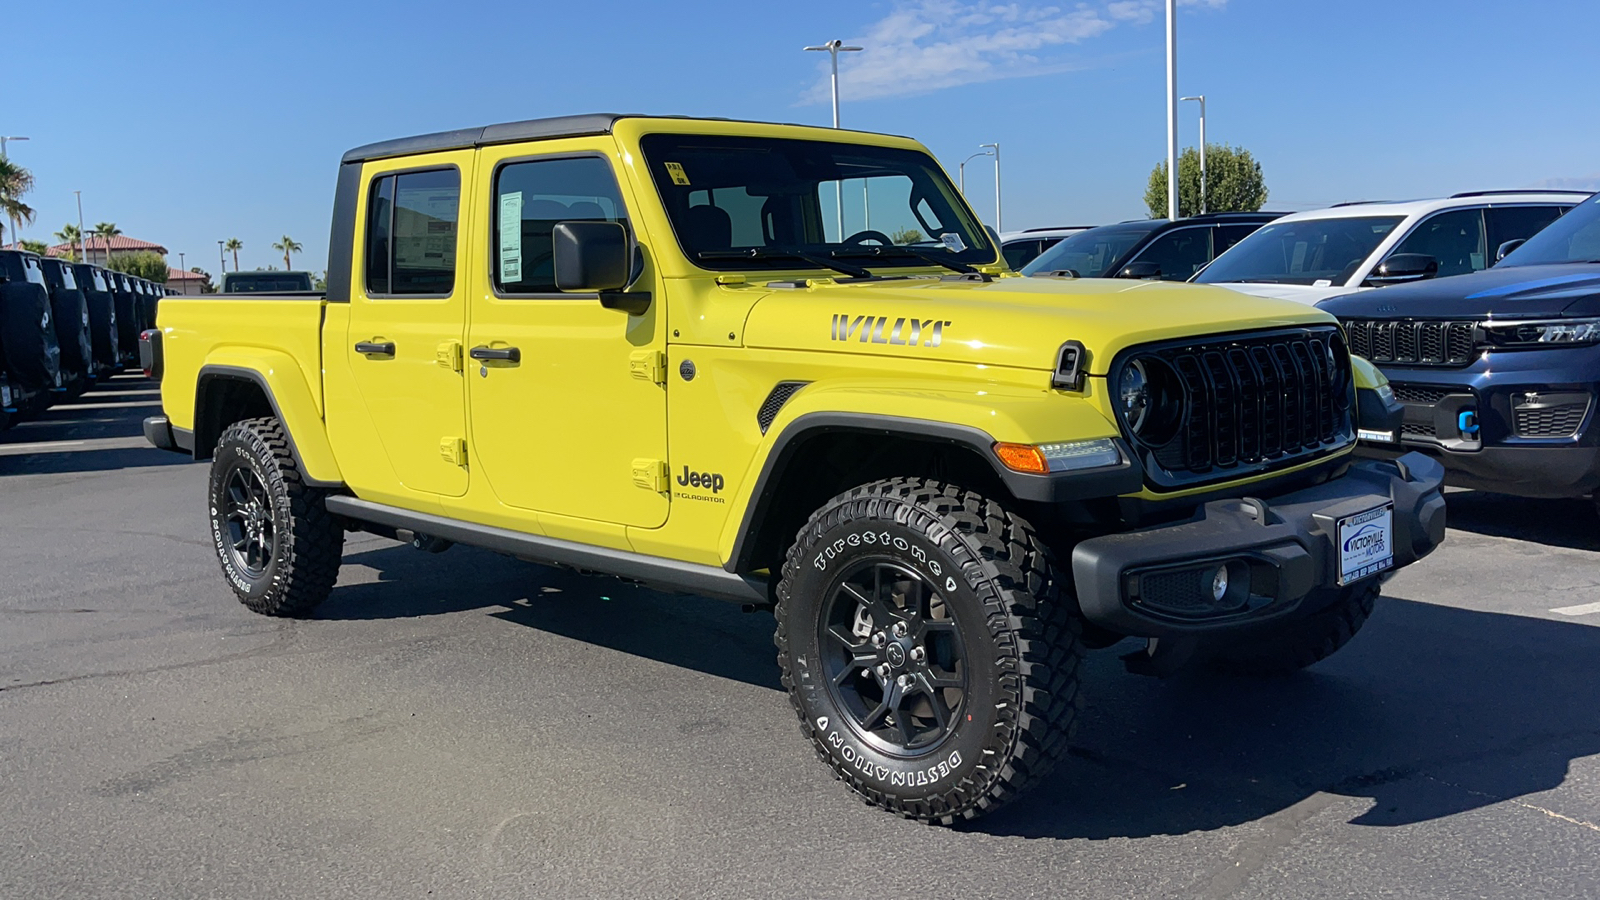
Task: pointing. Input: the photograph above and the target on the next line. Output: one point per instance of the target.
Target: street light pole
(834, 48)
(83, 251)
(1202, 99)
(16, 238)
(996, 148)
(961, 170)
(221, 260)
(185, 270)
(1172, 110)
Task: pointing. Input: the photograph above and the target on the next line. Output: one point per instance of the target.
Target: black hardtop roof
(512, 132)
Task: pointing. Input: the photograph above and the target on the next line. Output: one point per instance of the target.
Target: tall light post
(961, 170)
(1202, 100)
(1172, 110)
(16, 238)
(83, 251)
(221, 260)
(834, 48)
(185, 269)
(996, 148)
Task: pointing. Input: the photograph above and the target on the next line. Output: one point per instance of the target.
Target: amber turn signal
(1022, 458)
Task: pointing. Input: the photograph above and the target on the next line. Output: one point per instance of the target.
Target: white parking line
(116, 443)
(1581, 610)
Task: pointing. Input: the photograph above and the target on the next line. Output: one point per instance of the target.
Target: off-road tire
(306, 540)
(1295, 645)
(998, 584)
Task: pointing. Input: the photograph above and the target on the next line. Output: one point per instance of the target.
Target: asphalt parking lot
(467, 725)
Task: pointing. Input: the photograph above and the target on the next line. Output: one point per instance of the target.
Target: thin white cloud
(927, 45)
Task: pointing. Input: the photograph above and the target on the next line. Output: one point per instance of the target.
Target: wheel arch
(228, 392)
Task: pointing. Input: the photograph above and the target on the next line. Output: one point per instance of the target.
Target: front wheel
(278, 545)
(926, 649)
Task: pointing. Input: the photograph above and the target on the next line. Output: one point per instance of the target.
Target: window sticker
(511, 237)
(952, 242)
(679, 176)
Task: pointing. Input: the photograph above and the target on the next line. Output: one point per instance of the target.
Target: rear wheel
(278, 545)
(926, 649)
(1295, 645)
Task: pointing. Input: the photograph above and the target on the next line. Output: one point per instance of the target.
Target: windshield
(754, 203)
(1320, 252)
(1093, 253)
(265, 282)
(1575, 237)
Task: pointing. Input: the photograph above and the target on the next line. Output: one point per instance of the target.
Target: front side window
(1573, 238)
(32, 270)
(1510, 223)
(753, 203)
(69, 281)
(411, 232)
(530, 199)
(1092, 253)
(1454, 238)
(1321, 252)
(1180, 253)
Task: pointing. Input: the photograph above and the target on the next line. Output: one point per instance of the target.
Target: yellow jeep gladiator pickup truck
(688, 353)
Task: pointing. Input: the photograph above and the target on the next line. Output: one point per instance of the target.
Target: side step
(656, 571)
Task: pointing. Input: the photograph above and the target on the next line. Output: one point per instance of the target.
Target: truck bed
(281, 331)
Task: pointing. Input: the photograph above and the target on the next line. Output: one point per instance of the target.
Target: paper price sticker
(678, 175)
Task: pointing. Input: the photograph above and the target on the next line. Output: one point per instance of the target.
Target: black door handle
(509, 354)
(375, 349)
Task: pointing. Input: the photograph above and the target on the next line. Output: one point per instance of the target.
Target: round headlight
(1133, 392)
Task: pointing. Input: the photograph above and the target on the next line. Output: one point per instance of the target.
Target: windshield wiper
(904, 252)
(774, 253)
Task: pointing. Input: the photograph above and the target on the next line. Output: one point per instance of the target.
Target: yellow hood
(1019, 322)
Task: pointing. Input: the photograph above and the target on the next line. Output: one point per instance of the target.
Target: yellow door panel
(408, 312)
(564, 395)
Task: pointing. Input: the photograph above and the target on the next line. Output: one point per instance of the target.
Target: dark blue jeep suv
(1497, 370)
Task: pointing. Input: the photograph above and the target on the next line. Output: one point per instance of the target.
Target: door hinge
(453, 450)
(448, 355)
(648, 365)
(650, 474)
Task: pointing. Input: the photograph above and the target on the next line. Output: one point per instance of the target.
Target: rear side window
(412, 222)
(530, 199)
(1020, 253)
(1454, 238)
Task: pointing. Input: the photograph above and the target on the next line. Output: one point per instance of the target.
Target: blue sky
(188, 122)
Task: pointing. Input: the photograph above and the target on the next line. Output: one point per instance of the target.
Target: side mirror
(1403, 267)
(1507, 247)
(1142, 270)
(597, 257)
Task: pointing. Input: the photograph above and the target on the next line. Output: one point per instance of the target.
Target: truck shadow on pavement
(1431, 711)
(1572, 523)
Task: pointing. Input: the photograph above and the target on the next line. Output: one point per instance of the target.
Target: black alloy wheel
(929, 646)
(278, 545)
(247, 514)
(893, 657)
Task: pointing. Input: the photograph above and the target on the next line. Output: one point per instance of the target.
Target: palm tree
(235, 245)
(14, 182)
(106, 231)
(70, 235)
(288, 246)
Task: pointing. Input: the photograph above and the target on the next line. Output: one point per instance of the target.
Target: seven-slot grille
(1255, 401)
(1412, 342)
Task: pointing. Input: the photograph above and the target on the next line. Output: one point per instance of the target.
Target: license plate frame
(1364, 543)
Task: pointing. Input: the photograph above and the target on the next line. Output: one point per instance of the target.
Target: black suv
(1497, 370)
(1148, 248)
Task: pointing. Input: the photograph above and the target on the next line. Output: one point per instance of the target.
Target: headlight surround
(1546, 332)
(1133, 395)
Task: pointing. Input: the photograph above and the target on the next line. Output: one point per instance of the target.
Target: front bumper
(1286, 544)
